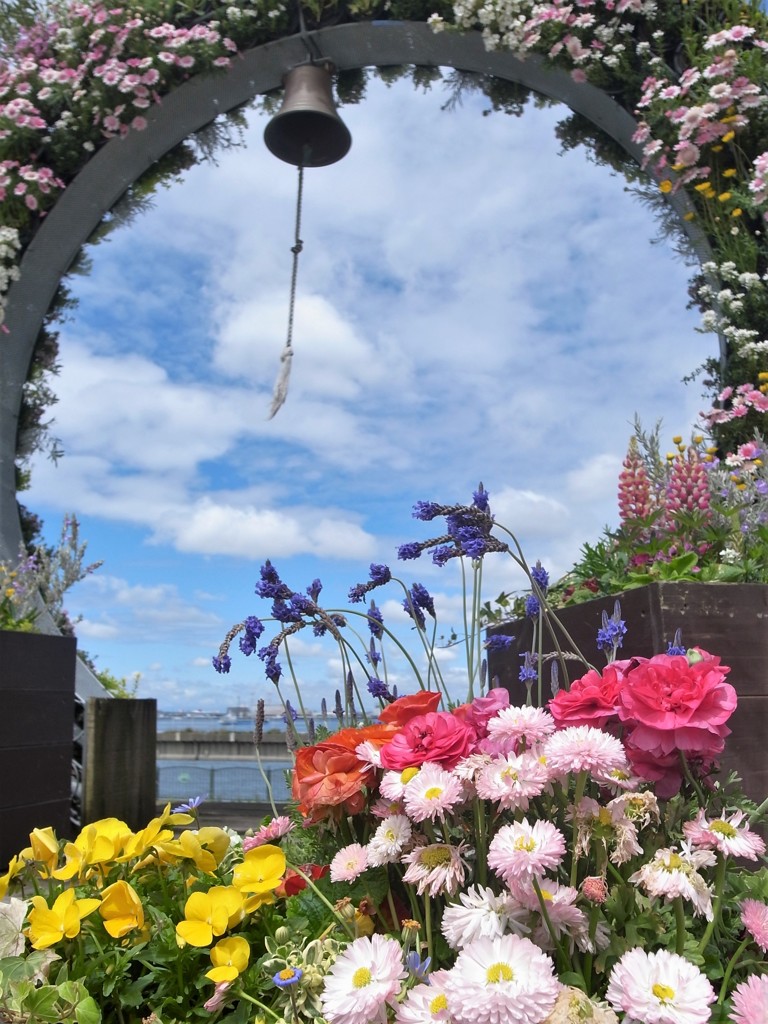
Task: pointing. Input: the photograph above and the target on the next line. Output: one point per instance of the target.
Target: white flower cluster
(726, 303)
(9, 271)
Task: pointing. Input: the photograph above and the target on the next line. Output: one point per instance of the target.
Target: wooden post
(121, 737)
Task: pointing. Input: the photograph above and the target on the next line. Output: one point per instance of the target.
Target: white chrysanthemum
(659, 988)
(731, 835)
(432, 793)
(672, 873)
(641, 808)
(502, 979)
(606, 826)
(582, 748)
(369, 753)
(512, 781)
(392, 785)
(574, 1005)
(481, 914)
(389, 840)
(469, 766)
(364, 978)
(349, 863)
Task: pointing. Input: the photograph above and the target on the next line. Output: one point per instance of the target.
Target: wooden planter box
(726, 619)
(37, 695)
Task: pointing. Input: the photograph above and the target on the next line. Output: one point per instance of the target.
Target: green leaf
(87, 1011)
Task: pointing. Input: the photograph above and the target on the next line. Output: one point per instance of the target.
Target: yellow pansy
(47, 926)
(229, 957)
(210, 913)
(206, 847)
(99, 843)
(261, 870)
(15, 866)
(43, 850)
(665, 186)
(121, 909)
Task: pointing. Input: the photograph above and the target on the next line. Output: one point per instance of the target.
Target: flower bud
(282, 934)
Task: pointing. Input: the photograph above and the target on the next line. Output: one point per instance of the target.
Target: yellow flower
(729, 136)
(763, 375)
(724, 197)
(261, 870)
(730, 172)
(689, 216)
(97, 844)
(15, 866)
(677, 439)
(47, 926)
(230, 958)
(44, 851)
(121, 909)
(206, 847)
(665, 186)
(703, 186)
(210, 913)
(717, 149)
(737, 212)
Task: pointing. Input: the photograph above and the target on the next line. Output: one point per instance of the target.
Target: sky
(472, 305)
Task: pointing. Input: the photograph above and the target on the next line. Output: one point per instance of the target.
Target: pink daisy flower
(521, 851)
(435, 869)
(425, 1002)
(660, 988)
(392, 785)
(671, 874)
(750, 1000)
(515, 727)
(754, 917)
(384, 808)
(726, 834)
(349, 863)
(512, 781)
(501, 979)
(363, 980)
(560, 900)
(582, 748)
(276, 829)
(432, 793)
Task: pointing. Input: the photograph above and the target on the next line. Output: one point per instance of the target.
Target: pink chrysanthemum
(582, 748)
(750, 1000)
(726, 834)
(519, 727)
(435, 869)
(363, 980)
(560, 900)
(754, 917)
(520, 851)
(501, 979)
(392, 785)
(349, 863)
(659, 988)
(432, 793)
(276, 829)
(511, 781)
(425, 1003)
(389, 840)
(383, 808)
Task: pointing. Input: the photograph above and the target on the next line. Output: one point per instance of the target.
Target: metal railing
(179, 782)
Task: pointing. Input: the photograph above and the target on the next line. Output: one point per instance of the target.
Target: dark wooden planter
(727, 619)
(37, 694)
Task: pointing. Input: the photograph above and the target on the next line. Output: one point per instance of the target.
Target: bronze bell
(307, 131)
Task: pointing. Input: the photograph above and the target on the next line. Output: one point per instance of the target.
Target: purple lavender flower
(290, 712)
(380, 574)
(375, 621)
(532, 606)
(252, 630)
(614, 629)
(270, 584)
(415, 612)
(285, 612)
(272, 667)
(675, 645)
(480, 499)
(441, 554)
(378, 688)
(426, 510)
(423, 599)
(314, 589)
(222, 663)
(498, 642)
(409, 551)
(541, 576)
(528, 669)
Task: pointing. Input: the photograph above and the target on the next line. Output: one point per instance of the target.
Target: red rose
(331, 775)
(405, 708)
(438, 737)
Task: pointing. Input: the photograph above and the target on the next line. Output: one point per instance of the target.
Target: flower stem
(680, 928)
(716, 902)
(729, 969)
(244, 995)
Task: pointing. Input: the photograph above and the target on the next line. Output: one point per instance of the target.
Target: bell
(307, 131)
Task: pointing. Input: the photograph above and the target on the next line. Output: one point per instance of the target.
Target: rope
(280, 392)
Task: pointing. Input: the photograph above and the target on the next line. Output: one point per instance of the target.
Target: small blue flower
(287, 977)
(191, 805)
(675, 645)
(416, 966)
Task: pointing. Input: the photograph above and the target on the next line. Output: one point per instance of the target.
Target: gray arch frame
(188, 108)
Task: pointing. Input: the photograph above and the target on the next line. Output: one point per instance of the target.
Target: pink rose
(482, 710)
(669, 704)
(591, 700)
(438, 737)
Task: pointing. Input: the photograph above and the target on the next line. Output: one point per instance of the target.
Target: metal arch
(188, 108)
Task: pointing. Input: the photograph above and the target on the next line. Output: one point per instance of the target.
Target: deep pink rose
(591, 700)
(439, 737)
(669, 705)
(483, 709)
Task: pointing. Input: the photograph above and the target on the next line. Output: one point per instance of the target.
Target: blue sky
(472, 305)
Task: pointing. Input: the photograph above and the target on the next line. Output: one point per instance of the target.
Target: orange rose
(331, 775)
(408, 707)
